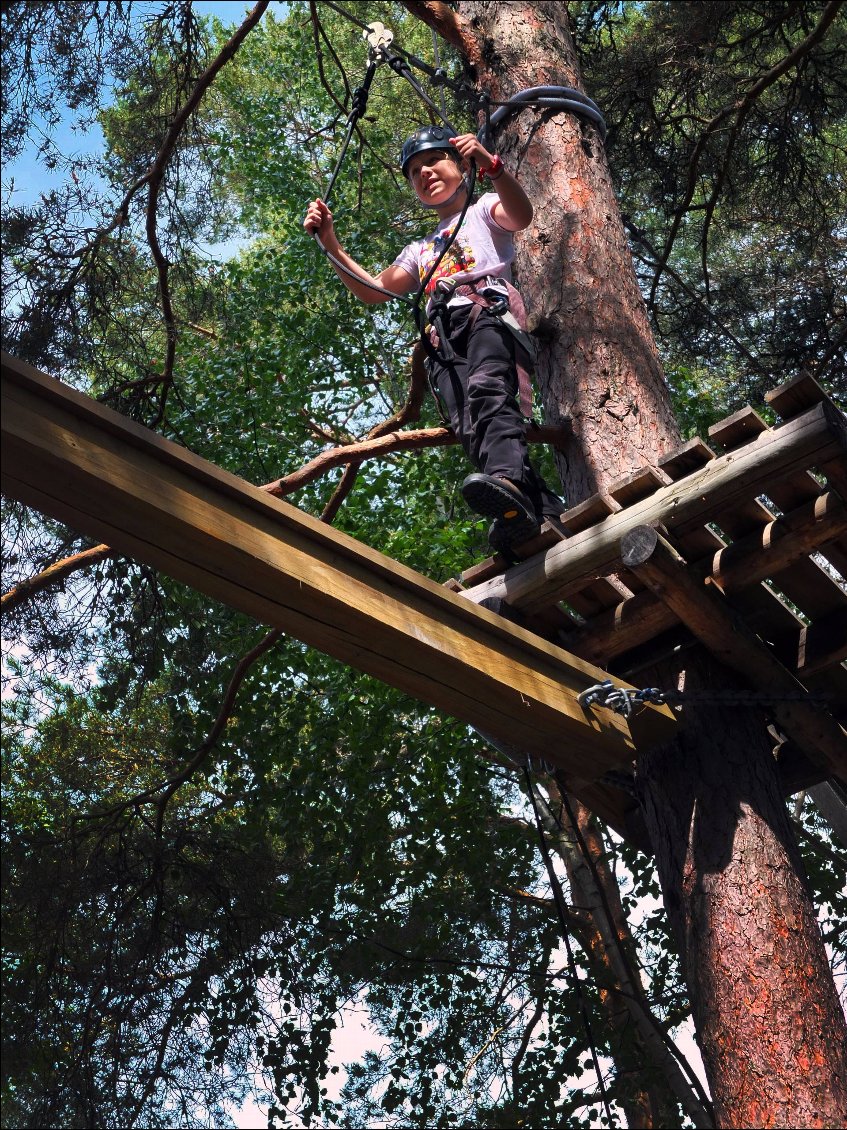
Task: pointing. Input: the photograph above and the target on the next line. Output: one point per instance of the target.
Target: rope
(547, 97)
(358, 107)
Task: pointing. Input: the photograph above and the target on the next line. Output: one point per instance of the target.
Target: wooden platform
(751, 561)
(739, 543)
(120, 483)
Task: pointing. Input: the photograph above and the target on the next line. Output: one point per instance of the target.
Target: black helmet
(428, 137)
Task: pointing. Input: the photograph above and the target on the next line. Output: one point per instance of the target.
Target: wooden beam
(817, 646)
(707, 615)
(767, 551)
(113, 480)
(831, 801)
(732, 568)
(817, 436)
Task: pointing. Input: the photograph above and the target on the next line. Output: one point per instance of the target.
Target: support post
(725, 635)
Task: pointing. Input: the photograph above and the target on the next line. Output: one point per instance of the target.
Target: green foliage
(750, 211)
(825, 860)
(186, 918)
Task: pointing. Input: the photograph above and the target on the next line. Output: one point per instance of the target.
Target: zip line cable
(379, 40)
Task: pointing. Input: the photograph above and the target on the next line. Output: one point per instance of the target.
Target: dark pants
(478, 389)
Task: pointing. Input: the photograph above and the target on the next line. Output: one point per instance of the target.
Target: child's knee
(493, 381)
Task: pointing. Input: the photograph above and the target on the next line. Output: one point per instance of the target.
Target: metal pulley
(378, 38)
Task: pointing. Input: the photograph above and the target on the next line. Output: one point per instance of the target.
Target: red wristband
(495, 169)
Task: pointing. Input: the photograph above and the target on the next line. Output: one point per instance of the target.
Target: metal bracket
(378, 38)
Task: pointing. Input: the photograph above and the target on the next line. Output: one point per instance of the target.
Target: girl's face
(434, 175)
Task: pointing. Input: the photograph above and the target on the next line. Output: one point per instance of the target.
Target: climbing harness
(383, 50)
(504, 302)
(622, 700)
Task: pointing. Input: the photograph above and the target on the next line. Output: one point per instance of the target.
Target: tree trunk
(767, 1015)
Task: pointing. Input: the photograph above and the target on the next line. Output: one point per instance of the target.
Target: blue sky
(30, 176)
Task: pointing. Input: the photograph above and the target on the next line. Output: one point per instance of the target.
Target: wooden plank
(632, 488)
(832, 682)
(737, 429)
(800, 579)
(769, 550)
(836, 473)
(683, 460)
(727, 637)
(793, 490)
(593, 598)
(618, 630)
(816, 647)
(795, 396)
(588, 513)
(701, 541)
(796, 771)
(731, 568)
(817, 435)
(493, 566)
(116, 481)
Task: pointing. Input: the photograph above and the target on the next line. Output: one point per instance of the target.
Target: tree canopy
(214, 839)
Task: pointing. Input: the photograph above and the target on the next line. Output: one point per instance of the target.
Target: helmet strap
(463, 187)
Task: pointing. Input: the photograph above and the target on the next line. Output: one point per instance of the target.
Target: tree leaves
(180, 947)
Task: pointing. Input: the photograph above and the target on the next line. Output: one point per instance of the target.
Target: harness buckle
(499, 305)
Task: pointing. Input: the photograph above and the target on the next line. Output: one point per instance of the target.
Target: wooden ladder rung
(737, 429)
(795, 396)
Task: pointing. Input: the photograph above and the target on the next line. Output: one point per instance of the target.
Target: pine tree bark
(768, 1019)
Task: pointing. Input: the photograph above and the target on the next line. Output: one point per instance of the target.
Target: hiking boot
(501, 542)
(503, 502)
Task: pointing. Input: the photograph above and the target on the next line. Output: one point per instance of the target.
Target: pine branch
(450, 26)
(53, 575)
(155, 177)
(740, 108)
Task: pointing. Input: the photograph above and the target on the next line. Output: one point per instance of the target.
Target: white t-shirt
(481, 248)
